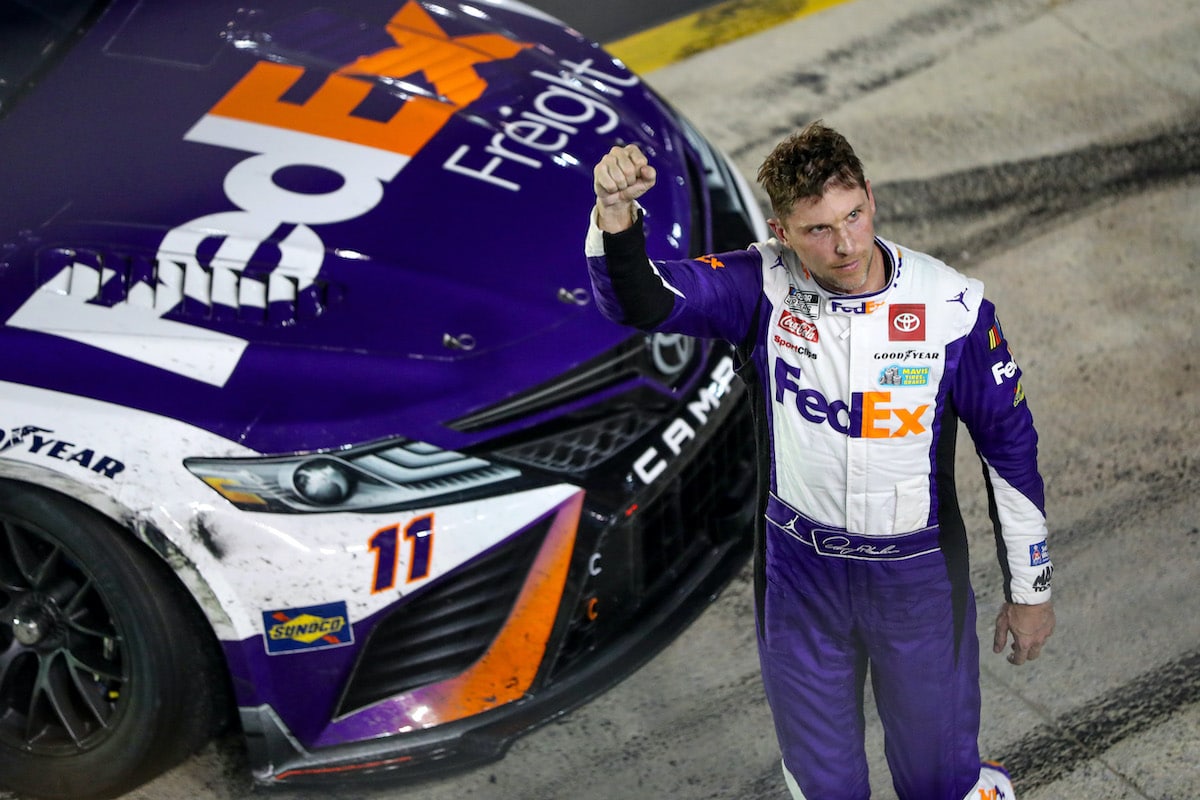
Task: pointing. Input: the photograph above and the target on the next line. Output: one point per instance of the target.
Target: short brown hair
(803, 164)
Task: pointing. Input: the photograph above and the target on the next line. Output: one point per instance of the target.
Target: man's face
(834, 236)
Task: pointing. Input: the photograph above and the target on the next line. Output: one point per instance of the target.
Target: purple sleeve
(990, 400)
(711, 297)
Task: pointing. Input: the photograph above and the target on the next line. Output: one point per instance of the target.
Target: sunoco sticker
(290, 630)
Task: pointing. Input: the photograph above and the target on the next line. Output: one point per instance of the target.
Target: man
(861, 357)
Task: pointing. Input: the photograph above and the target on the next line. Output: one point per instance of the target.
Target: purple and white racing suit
(863, 565)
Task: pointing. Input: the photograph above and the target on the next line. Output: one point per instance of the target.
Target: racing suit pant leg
(814, 671)
(925, 676)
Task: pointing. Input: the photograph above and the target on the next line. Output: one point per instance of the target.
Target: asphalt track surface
(1052, 149)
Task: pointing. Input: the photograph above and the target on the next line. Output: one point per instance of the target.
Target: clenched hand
(621, 177)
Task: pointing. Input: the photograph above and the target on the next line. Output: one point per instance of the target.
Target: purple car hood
(359, 221)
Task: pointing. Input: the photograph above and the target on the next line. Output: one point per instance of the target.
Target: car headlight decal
(394, 475)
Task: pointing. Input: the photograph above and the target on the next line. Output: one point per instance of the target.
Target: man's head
(824, 209)
(805, 164)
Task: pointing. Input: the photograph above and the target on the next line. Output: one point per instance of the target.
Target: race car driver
(861, 356)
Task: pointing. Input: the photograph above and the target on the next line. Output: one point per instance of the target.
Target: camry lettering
(868, 415)
(651, 463)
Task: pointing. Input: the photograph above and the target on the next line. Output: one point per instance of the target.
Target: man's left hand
(1030, 626)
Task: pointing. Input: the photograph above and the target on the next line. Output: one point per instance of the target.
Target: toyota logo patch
(906, 322)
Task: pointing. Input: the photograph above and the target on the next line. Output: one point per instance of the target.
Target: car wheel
(102, 662)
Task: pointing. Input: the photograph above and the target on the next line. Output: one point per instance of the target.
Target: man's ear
(777, 229)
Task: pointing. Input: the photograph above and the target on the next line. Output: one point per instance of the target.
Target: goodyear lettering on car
(39, 441)
(292, 630)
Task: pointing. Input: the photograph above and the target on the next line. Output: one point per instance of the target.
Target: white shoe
(994, 784)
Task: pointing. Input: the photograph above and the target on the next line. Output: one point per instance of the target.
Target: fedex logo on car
(868, 415)
(325, 130)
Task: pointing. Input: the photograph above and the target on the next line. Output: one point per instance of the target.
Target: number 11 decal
(386, 544)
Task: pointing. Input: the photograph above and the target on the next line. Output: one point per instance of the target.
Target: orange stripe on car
(507, 669)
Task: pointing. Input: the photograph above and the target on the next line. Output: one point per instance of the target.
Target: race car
(308, 424)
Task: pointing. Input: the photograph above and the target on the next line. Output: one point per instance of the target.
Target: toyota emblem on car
(671, 352)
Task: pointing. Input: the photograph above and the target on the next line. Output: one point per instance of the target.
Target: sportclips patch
(290, 630)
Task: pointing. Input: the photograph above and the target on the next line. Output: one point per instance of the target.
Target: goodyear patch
(290, 630)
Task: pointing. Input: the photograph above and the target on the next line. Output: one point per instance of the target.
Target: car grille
(440, 632)
(632, 360)
(586, 446)
(710, 502)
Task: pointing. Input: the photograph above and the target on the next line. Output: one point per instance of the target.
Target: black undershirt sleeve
(644, 299)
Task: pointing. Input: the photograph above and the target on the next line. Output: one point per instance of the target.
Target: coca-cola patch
(798, 326)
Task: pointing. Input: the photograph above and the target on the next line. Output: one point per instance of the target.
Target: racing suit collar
(892, 264)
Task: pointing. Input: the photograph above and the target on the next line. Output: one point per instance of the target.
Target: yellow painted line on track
(686, 36)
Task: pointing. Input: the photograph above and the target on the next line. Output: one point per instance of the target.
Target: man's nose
(843, 244)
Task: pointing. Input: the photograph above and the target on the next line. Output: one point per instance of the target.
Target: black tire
(103, 662)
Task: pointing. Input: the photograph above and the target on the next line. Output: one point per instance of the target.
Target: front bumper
(640, 572)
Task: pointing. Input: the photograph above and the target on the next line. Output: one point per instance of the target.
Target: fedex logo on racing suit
(326, 131)
(1002, 371)
(868, 415)
(855, 306)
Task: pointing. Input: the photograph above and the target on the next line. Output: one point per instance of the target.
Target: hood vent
(181, 288)
(666, 361)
